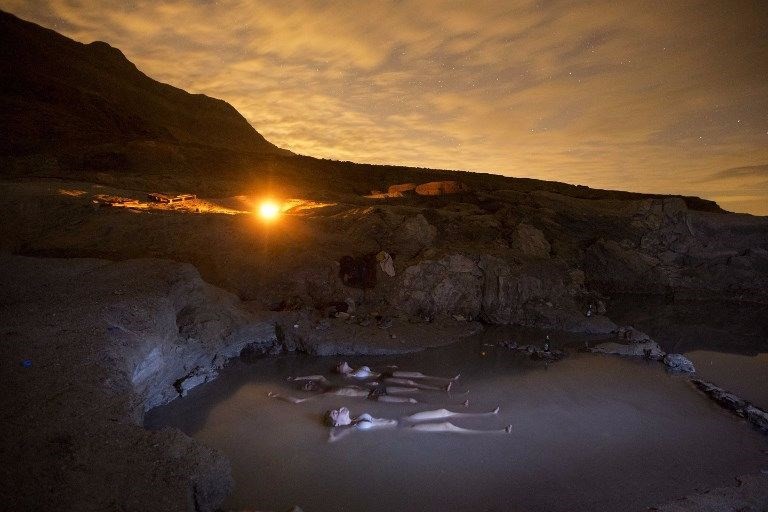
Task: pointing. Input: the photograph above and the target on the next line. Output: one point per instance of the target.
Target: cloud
(750, 171)
(650, 97)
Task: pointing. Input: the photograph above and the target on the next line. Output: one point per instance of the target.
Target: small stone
(679, 363)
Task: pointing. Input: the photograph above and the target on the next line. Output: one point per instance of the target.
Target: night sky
(653, 96)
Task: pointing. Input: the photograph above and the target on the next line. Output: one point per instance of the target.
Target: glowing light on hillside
(269, 210)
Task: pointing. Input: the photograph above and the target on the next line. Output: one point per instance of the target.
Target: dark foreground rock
(88, 346)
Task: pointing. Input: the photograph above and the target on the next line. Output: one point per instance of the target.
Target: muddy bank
(90, 345)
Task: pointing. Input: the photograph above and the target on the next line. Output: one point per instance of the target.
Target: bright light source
(268, 210)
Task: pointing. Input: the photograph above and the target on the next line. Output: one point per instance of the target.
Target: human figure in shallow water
(364, 372)
(347, 391)
(344, 424)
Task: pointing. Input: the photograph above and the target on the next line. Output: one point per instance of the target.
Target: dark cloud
(750, 171)
(640, 95)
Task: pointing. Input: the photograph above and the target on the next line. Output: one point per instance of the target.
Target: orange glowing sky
(651, 96)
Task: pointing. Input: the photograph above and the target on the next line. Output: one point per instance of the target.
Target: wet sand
(591, 432)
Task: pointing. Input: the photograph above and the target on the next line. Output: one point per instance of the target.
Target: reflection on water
(589, 433)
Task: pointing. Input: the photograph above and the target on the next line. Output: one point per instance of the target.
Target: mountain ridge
(59, 93)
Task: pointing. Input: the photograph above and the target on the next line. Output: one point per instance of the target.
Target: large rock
(646, 349)
(530, 242)
(439, 188)
(679, 363)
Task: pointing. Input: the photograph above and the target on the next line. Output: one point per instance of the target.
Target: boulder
(647, 349)
(530, 242)
(439, 188)
(679, 363)
(629, 334)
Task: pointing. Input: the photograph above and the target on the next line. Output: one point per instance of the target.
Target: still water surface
(588, 433)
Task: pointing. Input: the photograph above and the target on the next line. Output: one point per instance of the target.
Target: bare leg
(421, 376)
(401, 390)
(289, 399)
(348, 391)
(396, 399)
(450, 427)
(440, 414)
(419, 385)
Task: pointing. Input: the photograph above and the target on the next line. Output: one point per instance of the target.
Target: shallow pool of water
(590, 432)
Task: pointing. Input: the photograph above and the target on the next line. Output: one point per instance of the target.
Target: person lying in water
(441, 414)
(364, 372)
(379, 394)
(417, 385)
(344, 424)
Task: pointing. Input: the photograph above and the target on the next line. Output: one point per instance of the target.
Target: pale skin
(344, 424)
(348, 392)
(419, 385)
(440, 414)
(447, 426)
(364, 372)
(341, 418)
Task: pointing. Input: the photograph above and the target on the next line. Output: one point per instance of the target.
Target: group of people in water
(389, 385)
